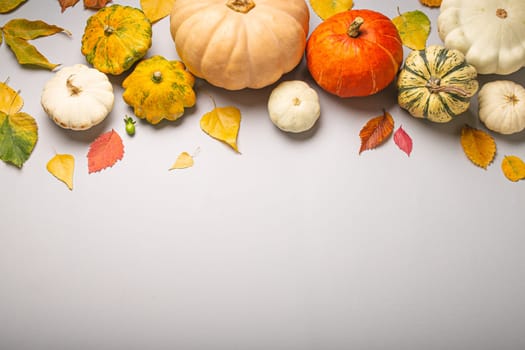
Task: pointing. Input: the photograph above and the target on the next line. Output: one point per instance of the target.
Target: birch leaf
(413, 28)
(64, 4)
(18, 130)
(155, 10)
(403, 141)
(105, 151)
(10, 5)
(184, 160)
(376, 131)
(17, 32)
(513, 168)
(327, 8)
(223, 123)
(62, 167)
(478, 146)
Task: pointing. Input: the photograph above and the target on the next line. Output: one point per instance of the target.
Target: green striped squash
(436, 84)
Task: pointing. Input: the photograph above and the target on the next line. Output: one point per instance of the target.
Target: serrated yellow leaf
(513, 168)
(184, 160)
(62, 167)
(155, 10)
(10, 100)
(223, 123)
(413, 28)
(478, 146)
(327, 8)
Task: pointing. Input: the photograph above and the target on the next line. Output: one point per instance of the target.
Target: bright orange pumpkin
(354, 53)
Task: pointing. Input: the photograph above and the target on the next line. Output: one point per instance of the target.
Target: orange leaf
(376, 131)
(513, 168)
(64, 4)
(95, 4)
(478, 146)
(105, 151)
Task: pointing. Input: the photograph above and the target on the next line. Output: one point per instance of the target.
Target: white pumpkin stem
(356, 24)
(242, 6)
(434, 85)
(73, 90)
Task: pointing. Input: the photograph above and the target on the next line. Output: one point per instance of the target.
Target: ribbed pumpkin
(235, 44)
(115, 37)
(354, 53)
(436, 83)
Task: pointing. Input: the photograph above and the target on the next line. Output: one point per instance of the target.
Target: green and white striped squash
(436, 84)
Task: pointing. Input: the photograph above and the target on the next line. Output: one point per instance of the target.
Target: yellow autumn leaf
(478, 146)
(62, 167)
(513, 168)
(10, 100)
(155, 10)
(223, 123)
(184, 160)
(327, 8)
(413, 28)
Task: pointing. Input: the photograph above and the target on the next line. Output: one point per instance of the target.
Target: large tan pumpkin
(235, 44)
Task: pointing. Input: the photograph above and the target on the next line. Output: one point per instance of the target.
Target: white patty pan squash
(236, 44)
(294, 106)
(491, 33)
(78, 97)
(501, 106)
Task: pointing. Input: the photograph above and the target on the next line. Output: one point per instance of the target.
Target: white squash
(78, 97)
(501, 106)
(294, 106)
(491, 33)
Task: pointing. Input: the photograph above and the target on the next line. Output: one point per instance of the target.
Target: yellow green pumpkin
(159, 89)
(116, 37)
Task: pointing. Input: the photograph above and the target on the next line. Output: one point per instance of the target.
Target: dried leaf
(478, 146)
(431, 3)
(10, 5)
(403, 140)
(376, 131)
(95, 4)
(156, 9)
(513, 168)
(325, 9)
(64, 4)
(105, 151)
(62, 167)
(18, 31)
(184, 160)
(413, 28)
(223, 124)
(18, 130)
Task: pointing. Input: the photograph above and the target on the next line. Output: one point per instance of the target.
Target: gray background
(297, 243)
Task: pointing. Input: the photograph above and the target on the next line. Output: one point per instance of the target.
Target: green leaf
(9, 5)
(18, 136)
(413, 28)
(18, 31)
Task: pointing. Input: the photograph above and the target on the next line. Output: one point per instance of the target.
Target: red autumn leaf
(376, 131)
(105, 151)
(95, 4)
(64, 4)
(403, 140)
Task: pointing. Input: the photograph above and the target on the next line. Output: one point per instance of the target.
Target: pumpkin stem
(501, 13)
(296, 101)
(356, 24)
(434, 85)
(73, 90)
(157, 76)
(108, 30)
(242, 6)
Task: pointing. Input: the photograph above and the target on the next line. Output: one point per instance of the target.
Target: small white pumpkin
(78, 97)
(491, 33)
(294, 106)
(501, 106)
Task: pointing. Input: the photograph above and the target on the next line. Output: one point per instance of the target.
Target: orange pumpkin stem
(242, 6)
(356, 24)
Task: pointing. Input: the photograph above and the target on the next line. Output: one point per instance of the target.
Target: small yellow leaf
(10, 100)
(478, 146)
(62, 167)
(156, 9)
(413, 28)
(513, 168)
(184, 160)
(325, 8)
(223, 124)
